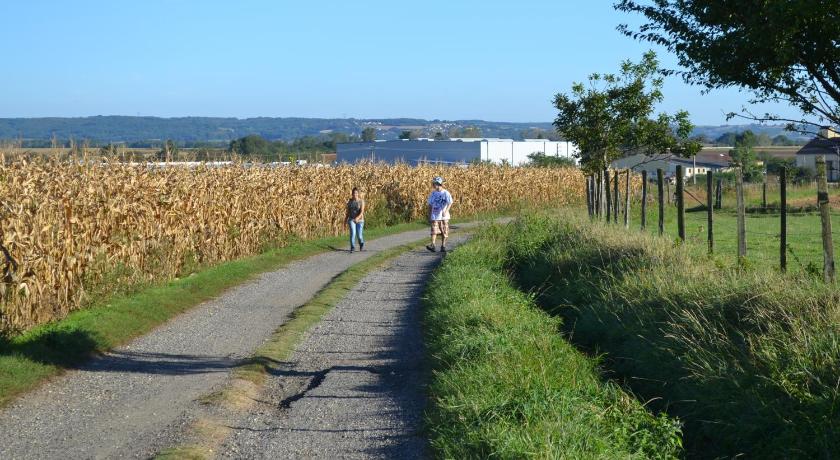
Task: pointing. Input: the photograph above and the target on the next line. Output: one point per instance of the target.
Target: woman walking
(355, 218)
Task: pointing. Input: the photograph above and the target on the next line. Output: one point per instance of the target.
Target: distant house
(701, 164)
(828, 144)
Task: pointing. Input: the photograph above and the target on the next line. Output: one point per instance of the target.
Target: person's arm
(449, 202)
(361, 215)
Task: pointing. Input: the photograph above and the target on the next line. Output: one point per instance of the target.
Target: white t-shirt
(438, 201)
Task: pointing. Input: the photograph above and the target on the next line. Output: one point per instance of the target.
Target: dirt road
(354, 387)
(135, 401)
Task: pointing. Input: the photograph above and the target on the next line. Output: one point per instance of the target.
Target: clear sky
(453, 59)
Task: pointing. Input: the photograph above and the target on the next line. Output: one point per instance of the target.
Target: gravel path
(137, 400)
(354, 387)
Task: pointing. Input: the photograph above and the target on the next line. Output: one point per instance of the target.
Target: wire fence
(748, 221)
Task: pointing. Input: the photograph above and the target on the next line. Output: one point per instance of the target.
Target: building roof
(820, 146)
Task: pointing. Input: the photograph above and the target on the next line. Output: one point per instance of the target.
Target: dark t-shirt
(354, 208)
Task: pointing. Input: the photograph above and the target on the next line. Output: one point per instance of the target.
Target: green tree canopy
(250, 145)
(467, 132)
(541, 160)
(781, 50)
(744, 156)
(369, 134)
(611, 116)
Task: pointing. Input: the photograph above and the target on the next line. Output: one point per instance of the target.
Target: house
(697, 165)
(452, 151)
(828, 144)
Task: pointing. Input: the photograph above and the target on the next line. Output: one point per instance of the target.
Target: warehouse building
(452, 151)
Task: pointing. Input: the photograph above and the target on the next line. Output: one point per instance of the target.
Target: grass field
(748, 360)
(804, 243)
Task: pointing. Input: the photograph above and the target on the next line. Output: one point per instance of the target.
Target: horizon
(749, 123)
(440, 61)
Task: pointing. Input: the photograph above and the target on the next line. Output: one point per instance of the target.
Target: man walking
(440, 201)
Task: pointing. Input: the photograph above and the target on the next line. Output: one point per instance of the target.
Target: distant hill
(714, 132)
(129, 129)
(149, 130)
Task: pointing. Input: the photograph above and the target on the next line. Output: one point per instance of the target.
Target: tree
(369, 134)
(743, 156)
(611, 117)
(783, 140)
(537, 133)
(168, 151)
(727, 138)
(780, 50)
(405, 135)
(541, 160)
(465, 132)
(251, 145)
(439, 136)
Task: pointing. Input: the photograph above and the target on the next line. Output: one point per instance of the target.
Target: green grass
(32, 357)
(748, 359)
(507, 385)
(804, 243)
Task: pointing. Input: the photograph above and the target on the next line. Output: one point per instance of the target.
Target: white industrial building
(452, 151)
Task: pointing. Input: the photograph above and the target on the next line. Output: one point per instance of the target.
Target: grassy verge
(248, 379)
(748, 360)
(29, 359)
(506, 384)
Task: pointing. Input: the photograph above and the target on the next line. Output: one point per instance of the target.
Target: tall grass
(748, 360)
(507, 385)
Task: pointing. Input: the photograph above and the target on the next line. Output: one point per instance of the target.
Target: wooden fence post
(783, 215)
(764, 194)
(825, 218)
(660, 179)
(616, 202)
(742, 230)
(709, 215)
(680, 203)
(597, 193)
(719, 194)
(627, 201)
(608, 194)
(644, 198)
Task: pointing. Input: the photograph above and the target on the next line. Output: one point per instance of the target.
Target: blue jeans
(357, 229)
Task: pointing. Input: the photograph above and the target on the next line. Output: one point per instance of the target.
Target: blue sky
(452, 59)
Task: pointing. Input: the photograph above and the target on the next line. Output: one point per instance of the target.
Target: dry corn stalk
(67, 228)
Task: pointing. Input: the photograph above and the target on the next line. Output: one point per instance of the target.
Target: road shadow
(55, 347)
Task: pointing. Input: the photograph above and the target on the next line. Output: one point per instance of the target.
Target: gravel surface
(354, 386)
(136, 400)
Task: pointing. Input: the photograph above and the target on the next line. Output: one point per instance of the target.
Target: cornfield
(67, 228)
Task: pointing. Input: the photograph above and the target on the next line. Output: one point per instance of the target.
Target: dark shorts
(440, 227)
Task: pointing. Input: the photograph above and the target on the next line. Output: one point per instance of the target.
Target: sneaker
(443, 249)
(361, 246)
(352, 249)
(430, 247)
